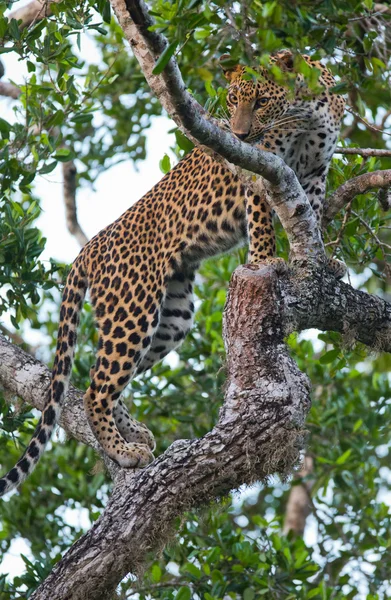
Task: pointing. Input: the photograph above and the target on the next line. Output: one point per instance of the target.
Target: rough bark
(358, 185)
(259, 432)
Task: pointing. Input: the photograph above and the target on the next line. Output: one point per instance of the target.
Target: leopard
(140, 269)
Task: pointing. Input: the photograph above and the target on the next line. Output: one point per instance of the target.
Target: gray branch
(366, 152)
(352, 188)
(69, 173)
(25, 377)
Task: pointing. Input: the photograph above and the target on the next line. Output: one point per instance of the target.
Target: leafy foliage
(98, 113)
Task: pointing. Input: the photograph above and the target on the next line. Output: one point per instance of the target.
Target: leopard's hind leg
(126, 330)
(176, 319)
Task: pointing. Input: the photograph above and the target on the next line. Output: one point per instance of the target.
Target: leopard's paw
(337, 267)
(130, 456)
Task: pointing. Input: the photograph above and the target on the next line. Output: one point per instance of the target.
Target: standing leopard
(140, 269)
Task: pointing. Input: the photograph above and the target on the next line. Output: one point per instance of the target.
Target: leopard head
(255, 103)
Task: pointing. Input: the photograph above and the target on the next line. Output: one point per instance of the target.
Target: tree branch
(69, 172)
(9, 89)
(259, 432)
(298, 506)
(32, 12)
(358, 185)
(366, 152)
(29, 379)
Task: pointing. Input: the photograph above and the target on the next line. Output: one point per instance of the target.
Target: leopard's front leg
(262, 240)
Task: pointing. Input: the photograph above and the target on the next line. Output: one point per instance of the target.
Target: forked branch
(354, 187)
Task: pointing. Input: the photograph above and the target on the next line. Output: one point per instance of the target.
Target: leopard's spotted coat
(140, 269)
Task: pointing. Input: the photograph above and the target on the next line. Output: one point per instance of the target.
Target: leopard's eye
(261, 102)
(232, 98)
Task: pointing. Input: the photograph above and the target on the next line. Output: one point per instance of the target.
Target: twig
(367, 152)
(369, 125)
(337, 241)
(381, 244)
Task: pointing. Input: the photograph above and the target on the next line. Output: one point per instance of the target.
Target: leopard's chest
(308, 145)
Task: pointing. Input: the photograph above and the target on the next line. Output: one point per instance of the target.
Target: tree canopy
(85, 117)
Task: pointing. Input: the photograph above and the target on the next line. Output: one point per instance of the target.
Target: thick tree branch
(358, 185)
(259, 430)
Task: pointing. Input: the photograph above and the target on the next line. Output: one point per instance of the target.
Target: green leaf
(183, 142)
(5, 128)
(329, 356)
(106, 13)
(64, 155)
(344, 457)
(193, 570)
(82, 117)
(183, 593)
(165, 164)
(14, 30)
(156, 573)
(163, 59)
(248, 594)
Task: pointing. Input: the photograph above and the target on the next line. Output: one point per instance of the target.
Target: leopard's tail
(72, 302)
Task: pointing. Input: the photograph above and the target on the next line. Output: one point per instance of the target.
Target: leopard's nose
(241, 136)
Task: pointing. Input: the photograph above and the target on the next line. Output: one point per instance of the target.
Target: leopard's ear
(229, 66)
(284, 59)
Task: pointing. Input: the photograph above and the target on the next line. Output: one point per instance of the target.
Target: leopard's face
(254, 105)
